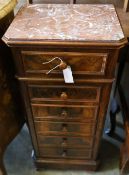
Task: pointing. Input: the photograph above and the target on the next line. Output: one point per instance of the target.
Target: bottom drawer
(65, 153)
(86, 142)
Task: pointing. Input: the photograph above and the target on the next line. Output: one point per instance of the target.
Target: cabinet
(66, 119)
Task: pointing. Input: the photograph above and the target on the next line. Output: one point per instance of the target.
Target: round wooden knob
(64, 142)
(64, 96)
(64, 113)
(64, 139)
(62, 65)
(64, 127)
(64, 154)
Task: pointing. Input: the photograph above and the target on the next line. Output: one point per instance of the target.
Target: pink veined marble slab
(85, 22)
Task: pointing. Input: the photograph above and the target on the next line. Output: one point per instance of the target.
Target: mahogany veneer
(66, 120)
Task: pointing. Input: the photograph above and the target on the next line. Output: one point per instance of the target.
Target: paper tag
(68, 77)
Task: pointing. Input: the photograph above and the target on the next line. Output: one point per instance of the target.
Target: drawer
(65, 153)
(64, 112)
(78, 142)
(81, 63)
(69, 93)
(64, 128)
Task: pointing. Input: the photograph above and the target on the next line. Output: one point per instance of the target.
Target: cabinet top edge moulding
(62, 24)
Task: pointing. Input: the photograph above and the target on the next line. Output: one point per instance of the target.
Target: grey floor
(18, 159)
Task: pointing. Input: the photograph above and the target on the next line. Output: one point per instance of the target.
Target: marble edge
(119, 21)
(18, 42)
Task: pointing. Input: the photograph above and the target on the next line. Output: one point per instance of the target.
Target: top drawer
(81, 63)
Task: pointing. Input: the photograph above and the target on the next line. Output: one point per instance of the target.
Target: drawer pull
(64, 154)
(64, 96)
(63, 65)
(64, 143)
(64, 127)
(64, 113)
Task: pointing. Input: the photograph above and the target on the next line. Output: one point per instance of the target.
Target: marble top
(78, 22)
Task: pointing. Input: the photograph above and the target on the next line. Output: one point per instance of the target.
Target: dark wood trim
(31, 79)
(101, 118)
(67, 164)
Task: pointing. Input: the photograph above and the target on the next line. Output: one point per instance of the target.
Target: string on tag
(61, 61)
(67, 72)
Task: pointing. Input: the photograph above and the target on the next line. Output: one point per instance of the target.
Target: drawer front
(72, 92)
(64, 128)
(78, 142)
(64, 112)
(65, 153)
(81, 63)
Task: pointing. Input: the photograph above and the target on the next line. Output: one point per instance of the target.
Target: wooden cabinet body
(65, 119)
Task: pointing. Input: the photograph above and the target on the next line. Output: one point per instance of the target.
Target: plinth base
(89, 165)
